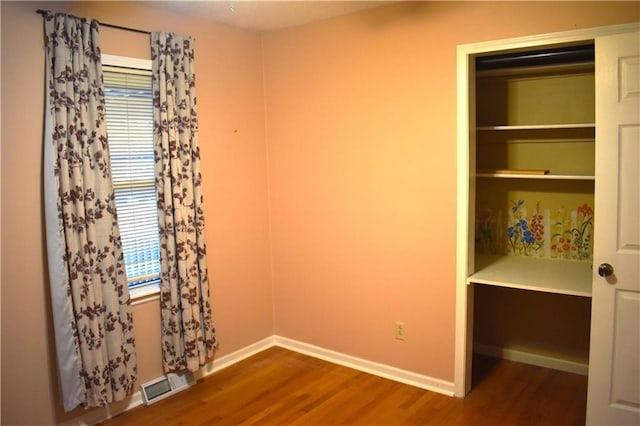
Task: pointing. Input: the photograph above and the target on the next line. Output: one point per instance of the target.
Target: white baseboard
(381, 370)
(388, 372)
(533, 359)
(228, 360)
(98, 415)
(94, 416)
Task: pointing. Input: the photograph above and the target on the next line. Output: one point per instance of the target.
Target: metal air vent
(165, 386)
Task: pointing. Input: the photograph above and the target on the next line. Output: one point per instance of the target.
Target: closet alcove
(534, 179)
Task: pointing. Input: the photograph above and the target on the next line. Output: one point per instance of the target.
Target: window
(129, 111)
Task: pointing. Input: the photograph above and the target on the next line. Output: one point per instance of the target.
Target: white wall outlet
(401, 332)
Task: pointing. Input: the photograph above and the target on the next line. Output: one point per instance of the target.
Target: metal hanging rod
(562, 55)
(118, 27)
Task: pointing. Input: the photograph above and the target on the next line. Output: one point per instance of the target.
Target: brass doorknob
(605, 270)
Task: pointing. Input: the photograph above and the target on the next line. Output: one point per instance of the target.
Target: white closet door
(614, 365)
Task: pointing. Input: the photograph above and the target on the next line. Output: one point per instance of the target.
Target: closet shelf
(570, 277)
(518, 174)
(538, 127)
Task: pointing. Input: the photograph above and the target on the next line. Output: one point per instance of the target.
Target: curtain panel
(188, 334)
(92, 318)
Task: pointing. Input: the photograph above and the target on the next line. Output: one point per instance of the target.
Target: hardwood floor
(280, 387)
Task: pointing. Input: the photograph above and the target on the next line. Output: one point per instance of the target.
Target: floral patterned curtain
(188, 334)
(90, 298)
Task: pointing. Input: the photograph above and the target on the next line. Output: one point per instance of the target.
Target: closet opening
(532, 174)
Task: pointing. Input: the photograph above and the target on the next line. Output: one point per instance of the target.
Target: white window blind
(129, 114)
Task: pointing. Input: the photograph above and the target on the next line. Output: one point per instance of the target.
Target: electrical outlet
(401, 332)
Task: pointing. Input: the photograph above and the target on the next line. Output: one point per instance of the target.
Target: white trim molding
(533, 359)
(98, 415)
(126, 62)
(144, 294)
(228, 360)
(381, 370)
(360, 364)
(349, 361)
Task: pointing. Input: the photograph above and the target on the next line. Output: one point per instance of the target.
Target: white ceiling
(264, 15)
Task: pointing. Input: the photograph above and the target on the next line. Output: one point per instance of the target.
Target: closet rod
(118, 27)
(564, 55)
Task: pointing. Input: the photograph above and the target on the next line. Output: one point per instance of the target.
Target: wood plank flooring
(280, 387)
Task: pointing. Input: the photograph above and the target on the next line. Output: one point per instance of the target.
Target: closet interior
(534, 150)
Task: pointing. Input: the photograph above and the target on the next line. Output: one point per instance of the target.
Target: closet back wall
(231, 115)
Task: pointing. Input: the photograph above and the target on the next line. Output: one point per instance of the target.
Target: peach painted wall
(231, 112)
(361, 136)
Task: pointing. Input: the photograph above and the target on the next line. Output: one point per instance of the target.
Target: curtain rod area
(104, 24)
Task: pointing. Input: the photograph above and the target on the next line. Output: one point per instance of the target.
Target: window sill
(144, 294)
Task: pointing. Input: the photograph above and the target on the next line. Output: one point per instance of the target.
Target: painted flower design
(582, 232)
(585, 210)
(521, 238)
(485, 234)
(563, 233)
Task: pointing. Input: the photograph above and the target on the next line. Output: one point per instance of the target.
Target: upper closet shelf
(519, 174)
(539, 127)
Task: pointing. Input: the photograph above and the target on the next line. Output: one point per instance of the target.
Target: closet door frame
(466, 175)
